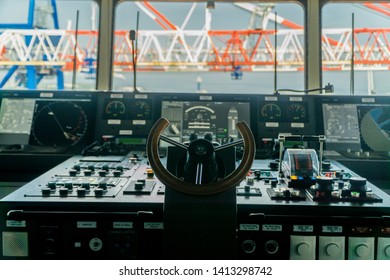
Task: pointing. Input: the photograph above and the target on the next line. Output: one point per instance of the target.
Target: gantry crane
(176, 48)
(34, 72)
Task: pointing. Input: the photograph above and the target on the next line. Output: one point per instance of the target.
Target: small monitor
(217, 118)
(42, 119)
(357, 126)
(374, 122)
(341, 126)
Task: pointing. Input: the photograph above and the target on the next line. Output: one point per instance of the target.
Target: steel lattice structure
(198, 50)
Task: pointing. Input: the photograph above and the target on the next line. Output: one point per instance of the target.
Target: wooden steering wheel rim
(169, 180)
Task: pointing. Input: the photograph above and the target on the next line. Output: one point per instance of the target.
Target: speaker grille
(15, 244)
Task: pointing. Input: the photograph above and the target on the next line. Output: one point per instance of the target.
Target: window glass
(186, 47)
(37, 44)
(371, 55)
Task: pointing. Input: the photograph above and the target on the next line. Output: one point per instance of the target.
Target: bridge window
(187, 47)
(363, 70)
(38, 47)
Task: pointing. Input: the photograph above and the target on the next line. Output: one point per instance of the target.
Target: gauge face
(59, 124)
(271, 112)
(296, 112)
(140, 109)
(115, 109)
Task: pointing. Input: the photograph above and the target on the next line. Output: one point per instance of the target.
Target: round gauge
(296, 112)
(271, 112)
(59, 124)
(115, 109)
(140, 109)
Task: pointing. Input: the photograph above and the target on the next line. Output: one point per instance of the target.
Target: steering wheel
(169, 180)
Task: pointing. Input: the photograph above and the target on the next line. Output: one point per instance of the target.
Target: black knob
(117, 173)
(358, 184)
(326, 165)
(324, 183)
(139, 185)
(46, 191)
(81, 192)
(274, 165)
(99, 192)
(68, 185)
(85, 185)
(91, 167)
(63, 191)
(274, 183)
(51, 185)
(208, 136)
(103, 185)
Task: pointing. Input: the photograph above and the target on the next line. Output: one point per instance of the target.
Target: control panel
(113, 207)
(102, 199)
(354, 126)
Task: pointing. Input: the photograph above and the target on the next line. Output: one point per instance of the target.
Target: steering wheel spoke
(229, 145)
(173, 142)
(219, 186)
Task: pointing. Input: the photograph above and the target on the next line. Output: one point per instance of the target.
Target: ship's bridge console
(122, 175)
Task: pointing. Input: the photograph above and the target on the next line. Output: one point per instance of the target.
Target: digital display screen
(15, 120)
(357, 127)
(204, 117)
(374, 123)
(46, 122)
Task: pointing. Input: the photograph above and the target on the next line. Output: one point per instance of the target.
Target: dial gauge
(59, 124)
(271, 112)
(296, 112)
(115, 109)
(140, 109)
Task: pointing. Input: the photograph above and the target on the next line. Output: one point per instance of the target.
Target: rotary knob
(274, 165)
(324, 183)
(362, 250)
(81, 192)
(303, 249)
(332, 249)
(326, 165)
(46, 191)
(358, 184)
(387, 251)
